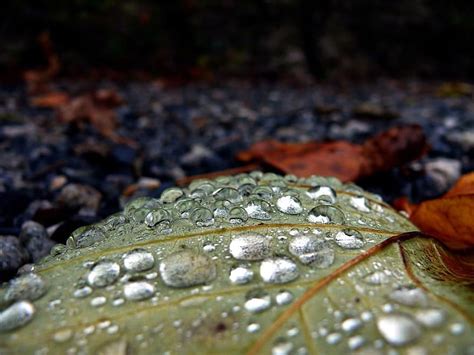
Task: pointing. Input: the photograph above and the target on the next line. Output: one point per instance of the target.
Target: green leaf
(254, 263)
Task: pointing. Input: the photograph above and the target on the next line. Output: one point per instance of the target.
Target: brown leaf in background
(449, 218)
(344, 160)
(52, 99)
(97, 108)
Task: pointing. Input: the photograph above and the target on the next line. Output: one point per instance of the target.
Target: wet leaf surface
(255, 263)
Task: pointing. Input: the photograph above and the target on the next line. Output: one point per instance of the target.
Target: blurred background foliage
(259, 38)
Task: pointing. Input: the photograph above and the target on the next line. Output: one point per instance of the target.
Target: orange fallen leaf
(450, 218)
(53, 99)
(344, 160)
(97, 108)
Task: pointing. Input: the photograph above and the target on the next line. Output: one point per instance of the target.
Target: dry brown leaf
(449, 218)
(52, 99)
(344, 160)
(97, 108)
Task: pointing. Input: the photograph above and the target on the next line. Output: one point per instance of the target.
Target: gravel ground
(62, 177)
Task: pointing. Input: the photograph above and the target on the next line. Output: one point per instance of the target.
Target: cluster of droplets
(245, 198)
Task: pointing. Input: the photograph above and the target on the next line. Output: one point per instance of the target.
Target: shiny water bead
(85, 236)
(82, 292)
(283, 298)
(171, 194)
(186, 268)
(323, 194)
(430, 318)
(202, 184)
(259, 209)
(257, 301)
(253, 327)
(351, 324)
(221, 208)
(240, 275)
(256, 175)
(237, 215)
(29, 286)
(377, 278)
(456, 328)
(398, 329)
(250, 247)
(114, 221)
(16, 315)
(289, 205)
(138, 290)
(264, 192)
(104, 273)
(98, 301)
(140, 202)
(409, 296)
(282, 347)
(202, 217)
(359, 203)
(63, 335)
(185, 206)
(333, 338)
(309, 249)
(156, 216)
(355, 342)
(326, 214)
(228, 193)
(349, 239)
(138, 260)
(278, 270)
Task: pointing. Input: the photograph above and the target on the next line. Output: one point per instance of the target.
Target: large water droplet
(289, 205)
(85, 237)
(138, 290)
(185, 206)
(221, 208)
(228, 193)
(104, 273)
(408, 296)
(282, 347)
(28, 286)
(323, 194)
(82, 292)
(283, 297)
(257, 301)
(156, 216)
(138, 260)
(186, 268)
(377, 278)
(333, 338)
(253, 327)
(250, 247)
(278, 270)
(264, 192)
(326, 214)
(202, 217)
(351, 324)
(16, 315)
(237, 215)
(359, 203)
(171, 194)
(240, 275)
(430, 318)
(349, 239)
(310, 249)
(398, 329)
(259, 209)
(356, 342)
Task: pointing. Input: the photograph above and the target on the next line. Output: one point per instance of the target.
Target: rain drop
(377, 278)
(311, 250)
(349, 239)
(408, 296)
(157, 216)
(326, 214)
(259, 209)
(283, 298)
(250, 247)
(98, 301)
(202, 217)
(430, 318)
(186, 268)
(240, 275)
(171, 194)
(82, 292)
(28, 286)
(138, 260)
(16, 315)
(359, 203)
(289, 205)
(278, 270)
(398, 329)
(257, 301)
(351, 324)
(324, 194)
(104, 273)
(139, 290)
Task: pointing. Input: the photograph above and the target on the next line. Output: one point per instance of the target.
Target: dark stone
(12, 256)
(35, 240)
